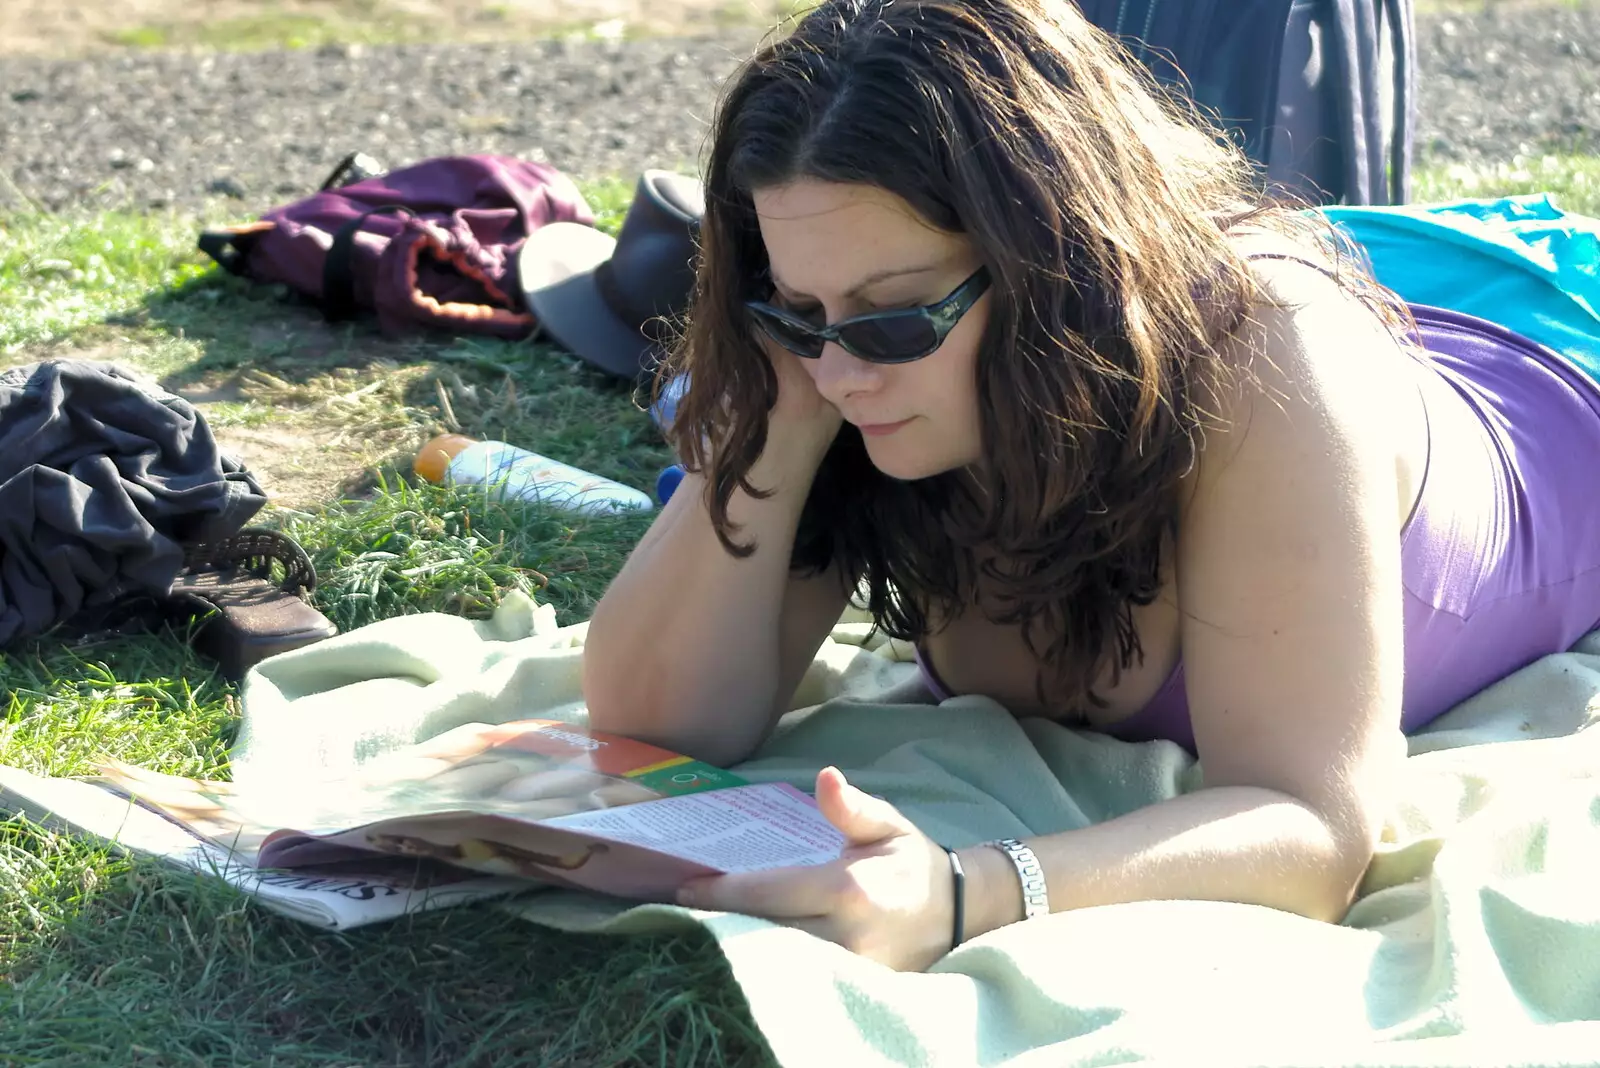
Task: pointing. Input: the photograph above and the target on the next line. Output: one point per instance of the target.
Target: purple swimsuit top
(1501, 557)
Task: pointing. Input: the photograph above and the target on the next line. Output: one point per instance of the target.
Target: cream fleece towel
(1476, 940)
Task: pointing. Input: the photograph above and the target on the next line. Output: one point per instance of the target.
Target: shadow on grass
(240, 325)
(155, 966)
(259, 355)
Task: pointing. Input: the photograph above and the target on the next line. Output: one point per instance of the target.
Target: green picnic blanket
(1476, 939)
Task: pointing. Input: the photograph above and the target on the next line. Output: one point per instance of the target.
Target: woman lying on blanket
(988, 327)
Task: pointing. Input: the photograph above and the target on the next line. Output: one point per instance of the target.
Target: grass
(342, 22)
(1573, 179)
(110, 961)
(295, 26)
(64, 274)
(273, 29)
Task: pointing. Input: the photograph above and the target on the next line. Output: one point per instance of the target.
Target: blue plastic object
(667, 482)
(666, 408)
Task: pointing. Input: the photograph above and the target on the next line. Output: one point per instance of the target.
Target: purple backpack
(431, 245)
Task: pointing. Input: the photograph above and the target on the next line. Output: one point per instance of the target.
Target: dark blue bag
(1319, 93)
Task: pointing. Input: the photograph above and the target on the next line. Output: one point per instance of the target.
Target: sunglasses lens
(791, 337)
(893, 338)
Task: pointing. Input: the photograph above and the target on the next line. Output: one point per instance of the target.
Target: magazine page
(534, 799)
(337, 896)
(550, 802)
(745, 828)
(528, 770)
(642, 851)
(204, 808)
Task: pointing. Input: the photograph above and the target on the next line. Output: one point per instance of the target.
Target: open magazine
(480, 811)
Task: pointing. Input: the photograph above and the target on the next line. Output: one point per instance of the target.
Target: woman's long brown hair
(1100, 204)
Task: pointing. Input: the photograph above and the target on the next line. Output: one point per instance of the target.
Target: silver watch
(1035, 898)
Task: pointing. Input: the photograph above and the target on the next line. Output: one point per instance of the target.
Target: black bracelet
(958, 884)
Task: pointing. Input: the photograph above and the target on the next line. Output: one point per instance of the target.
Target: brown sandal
(254, 614)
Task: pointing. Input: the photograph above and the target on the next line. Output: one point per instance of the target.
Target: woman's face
(842, 250)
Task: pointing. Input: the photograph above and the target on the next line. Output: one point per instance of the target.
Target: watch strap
(1035, 896)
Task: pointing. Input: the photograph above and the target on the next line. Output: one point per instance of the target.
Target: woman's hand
(800, 407)
(888, 897)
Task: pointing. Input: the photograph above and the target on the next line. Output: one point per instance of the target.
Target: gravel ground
(240, 132)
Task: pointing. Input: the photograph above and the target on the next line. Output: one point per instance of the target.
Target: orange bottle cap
(434, 459)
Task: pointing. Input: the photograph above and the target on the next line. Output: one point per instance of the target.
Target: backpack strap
(338, 274)
(356, 167)
(1376, 171)
(1401, 22)
(230, 246)
(1365, 158)
(218, 244)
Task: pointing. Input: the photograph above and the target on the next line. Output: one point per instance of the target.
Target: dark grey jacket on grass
(103, 479)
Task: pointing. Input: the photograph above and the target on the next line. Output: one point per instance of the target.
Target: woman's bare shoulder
(1320, 360)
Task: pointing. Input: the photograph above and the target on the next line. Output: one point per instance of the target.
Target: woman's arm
(1289, 581)
(1228, 843)
(699, 651)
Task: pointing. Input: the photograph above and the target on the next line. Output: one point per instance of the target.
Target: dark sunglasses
(898, 336)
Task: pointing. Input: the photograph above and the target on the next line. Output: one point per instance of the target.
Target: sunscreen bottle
(517, 474)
